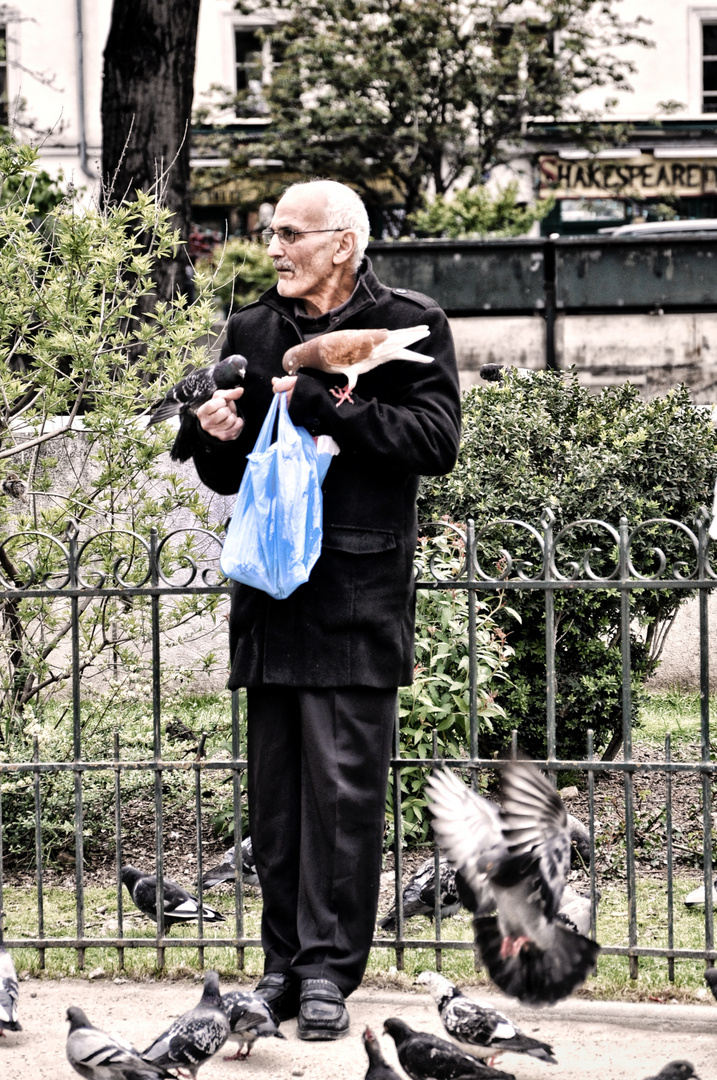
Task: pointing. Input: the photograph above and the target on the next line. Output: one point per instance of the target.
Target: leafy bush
(544, 442)
(474, 212)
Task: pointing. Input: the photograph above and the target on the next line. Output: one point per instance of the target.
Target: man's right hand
(218, 416)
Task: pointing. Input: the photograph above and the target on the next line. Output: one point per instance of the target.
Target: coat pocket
(357, 541)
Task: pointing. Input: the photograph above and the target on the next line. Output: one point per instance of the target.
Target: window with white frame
(252, 68)
(3, 75)
(709, 67)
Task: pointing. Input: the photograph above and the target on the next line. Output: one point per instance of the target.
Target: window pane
(249, 67)
(3, 76)
(709, 78)
(709, 39)
(709, 104)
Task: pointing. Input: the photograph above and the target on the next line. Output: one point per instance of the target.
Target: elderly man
(322, 667)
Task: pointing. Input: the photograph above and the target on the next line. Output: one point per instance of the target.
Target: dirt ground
(594, 1040)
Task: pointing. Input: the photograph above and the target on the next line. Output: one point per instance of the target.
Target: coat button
(400, 291)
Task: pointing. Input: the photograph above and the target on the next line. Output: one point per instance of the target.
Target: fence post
(72, 532)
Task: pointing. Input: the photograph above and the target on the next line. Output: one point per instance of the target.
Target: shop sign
(641, 177)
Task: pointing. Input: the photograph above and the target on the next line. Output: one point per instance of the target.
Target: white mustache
(283, 264)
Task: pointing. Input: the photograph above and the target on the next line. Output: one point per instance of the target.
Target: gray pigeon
(419, 893)
(378, 1067)
(574, 910)
(478, 1027)
(426, 1057)
(196, 1036)
(179, 905)
(189, 394)
(9, 994)
(98, 1055)
(227, 868)
(523, 848)
(711, 980)
(251, 1017)
(676, 1070)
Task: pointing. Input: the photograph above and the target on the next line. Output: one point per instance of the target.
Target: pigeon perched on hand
(378, 1067)
(353, 352)
(179, 905)
(97, 1055)
(523, 848)
(9, 994)
(250, 1017)
(676, 1070)
(196, 1036)
(478, 1027)
(426, 1057)
(227, 868)
(419, 893)
(190, 393)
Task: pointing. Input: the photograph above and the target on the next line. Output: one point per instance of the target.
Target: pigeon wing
(468, 827)
(196, 387)
(225, 871)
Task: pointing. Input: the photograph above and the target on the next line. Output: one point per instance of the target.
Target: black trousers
(318, 771)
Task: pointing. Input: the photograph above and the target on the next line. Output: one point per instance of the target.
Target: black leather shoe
(322, 1014)
(281, 992)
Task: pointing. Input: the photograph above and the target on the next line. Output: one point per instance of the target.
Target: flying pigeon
(378, 1067)
(426, 1057)
(711, 980)
(353, 352)
(9, 994)
(523, 848)
(179, 905)
(419, 893)
(193, 390)
(196, 1036)
(479, 1028)
(676, 1070)
(227, 868)
(98, 1055)
(251, 1017)
(697, 897)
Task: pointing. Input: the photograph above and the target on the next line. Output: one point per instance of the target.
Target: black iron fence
(123, 566)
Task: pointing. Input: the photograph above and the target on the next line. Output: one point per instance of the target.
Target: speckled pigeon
(189, 394)
(196, 1036)
(9, 994)
(251, 1017)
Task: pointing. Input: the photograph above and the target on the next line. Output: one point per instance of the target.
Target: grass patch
(674, 712)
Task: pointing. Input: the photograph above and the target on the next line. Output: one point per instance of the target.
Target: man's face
(305, 266)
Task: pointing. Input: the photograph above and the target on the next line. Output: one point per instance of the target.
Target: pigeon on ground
(523, 848)
(426, 1057)
(676, 1070)
(353, 352)
(479, 1028)
(378, 1067)
(579, 843)
(14, 486)
(574, 910)
(696, 898)
(419, 893)
(9, 994)
(193, 390)
(711, 980)
(196, 1036)
(179, 905)
(98, 1055)
(227, 868)
(251, 1017)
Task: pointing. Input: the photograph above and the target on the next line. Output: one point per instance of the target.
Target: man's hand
(218, 416)
(284, 385)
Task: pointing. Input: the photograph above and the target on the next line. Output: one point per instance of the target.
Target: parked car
(653, 228)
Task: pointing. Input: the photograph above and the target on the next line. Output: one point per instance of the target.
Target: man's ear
(346, 247)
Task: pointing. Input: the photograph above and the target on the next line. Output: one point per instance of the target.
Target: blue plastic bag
(274, 537)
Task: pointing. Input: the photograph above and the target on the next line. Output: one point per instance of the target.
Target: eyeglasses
(288, 236)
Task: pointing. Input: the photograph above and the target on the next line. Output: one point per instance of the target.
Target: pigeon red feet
(238, 1056)
(512, 946)
(342, 395)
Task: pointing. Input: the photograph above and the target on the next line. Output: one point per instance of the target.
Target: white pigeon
(196, 1036)
(9, 994)
(251, 1017)
(354, 352)
(696, 898)
(98, 1055)
(523, 848)
(477, 1027)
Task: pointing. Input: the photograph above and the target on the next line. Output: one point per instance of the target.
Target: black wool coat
(352, 623)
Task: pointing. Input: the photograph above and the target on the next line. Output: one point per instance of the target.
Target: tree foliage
(473, 213)
(404, 97)
(545, 442)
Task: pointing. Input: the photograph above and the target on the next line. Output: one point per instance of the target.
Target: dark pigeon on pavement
(378, 1067)
(227, 868)
(523, 848)
(189, 394)
(98, 1055)
(477, 1027)
(196, 1036)
(426, 1057)
(251, 1017)
(676, 1070)
(9, 994)
(179, 905)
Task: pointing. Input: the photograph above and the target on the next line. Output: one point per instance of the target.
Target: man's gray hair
(344, 210)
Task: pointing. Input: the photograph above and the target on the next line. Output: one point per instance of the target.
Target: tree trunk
(147, 93)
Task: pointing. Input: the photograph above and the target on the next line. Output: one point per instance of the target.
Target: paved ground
(595, 1040)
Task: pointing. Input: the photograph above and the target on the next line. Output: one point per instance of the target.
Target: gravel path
(594, 1040)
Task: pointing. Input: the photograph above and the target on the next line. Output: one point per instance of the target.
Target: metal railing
(126, 565)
